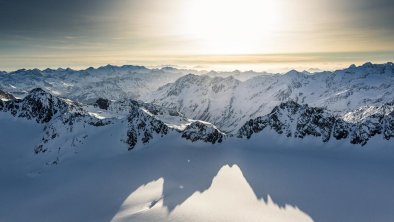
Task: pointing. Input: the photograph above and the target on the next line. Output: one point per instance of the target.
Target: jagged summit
(147, 122)
(39, 105)
(38, 91)
(292, 120)
(369, 68)
(203, 131)
(299, 121)
(296, 74)
(113, 67)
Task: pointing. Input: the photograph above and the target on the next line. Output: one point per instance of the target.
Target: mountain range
(149, 105)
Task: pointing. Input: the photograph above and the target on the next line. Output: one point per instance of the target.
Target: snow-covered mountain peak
(111, 68)
(369, 68)
(366, 112)
(352, 66)
(38, 92)
(203, 131)
(289, 107)
(39, 105)
(367, 65)
(292, 120)
(190, 78)
(299, 121)
(147, 122)
(296, 74)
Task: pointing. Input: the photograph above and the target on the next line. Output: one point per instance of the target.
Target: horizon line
(178, 68)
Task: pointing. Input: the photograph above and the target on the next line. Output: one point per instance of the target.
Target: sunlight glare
(232, 26)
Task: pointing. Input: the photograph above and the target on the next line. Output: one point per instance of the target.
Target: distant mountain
(110, 82)
(229, 102)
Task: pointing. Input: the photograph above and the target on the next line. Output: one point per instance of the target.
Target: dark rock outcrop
(38, 104)
(143, 127)
(102, 103)
(295, 120)
(199, 131)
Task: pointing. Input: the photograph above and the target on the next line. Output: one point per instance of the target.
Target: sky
(198, 33)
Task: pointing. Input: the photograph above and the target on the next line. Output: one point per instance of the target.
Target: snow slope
(175, 180)
(213, 204)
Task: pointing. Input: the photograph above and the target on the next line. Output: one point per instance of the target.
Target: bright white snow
(267, 177)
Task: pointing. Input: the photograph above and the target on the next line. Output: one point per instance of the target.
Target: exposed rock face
(38, 105)
(200, 131)
(102, 103)
(6, 96)
(295, 120)
(143, 127)
(144, 124)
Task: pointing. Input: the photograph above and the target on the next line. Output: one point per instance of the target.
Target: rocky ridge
(298, 121)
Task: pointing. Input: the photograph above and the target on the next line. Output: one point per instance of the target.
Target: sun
(231, 26)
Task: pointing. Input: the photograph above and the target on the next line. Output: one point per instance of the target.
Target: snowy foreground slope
(260, 179)
(136, 144)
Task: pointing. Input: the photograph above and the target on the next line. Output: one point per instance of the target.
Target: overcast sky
(81, 32)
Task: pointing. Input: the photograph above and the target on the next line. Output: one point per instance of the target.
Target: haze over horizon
(206, 34)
